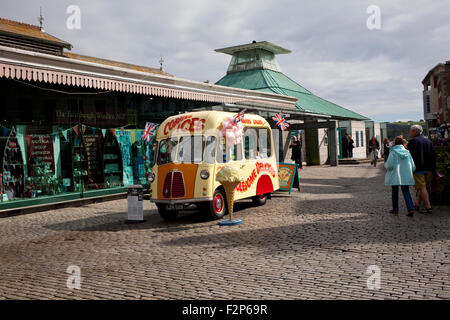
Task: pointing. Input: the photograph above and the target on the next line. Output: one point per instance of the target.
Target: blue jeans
(406, 195)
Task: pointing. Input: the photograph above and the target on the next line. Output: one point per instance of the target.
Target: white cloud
(373, 72)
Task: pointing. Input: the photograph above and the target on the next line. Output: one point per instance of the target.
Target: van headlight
(151, 177)
(204, 174)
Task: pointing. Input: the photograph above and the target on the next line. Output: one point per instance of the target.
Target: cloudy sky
(377, 73)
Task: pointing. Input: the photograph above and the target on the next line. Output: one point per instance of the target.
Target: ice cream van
(190, 150)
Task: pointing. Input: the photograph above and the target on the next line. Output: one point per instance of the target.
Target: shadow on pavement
(187, 219)
(327, 233)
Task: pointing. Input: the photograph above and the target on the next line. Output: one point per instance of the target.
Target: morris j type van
(190, 150)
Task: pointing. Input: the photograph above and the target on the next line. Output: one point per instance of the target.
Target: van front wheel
(218, 206)
(168, 215)
(260, 200)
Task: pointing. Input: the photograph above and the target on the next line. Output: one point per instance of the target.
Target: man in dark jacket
(425, 160)
(344, 142)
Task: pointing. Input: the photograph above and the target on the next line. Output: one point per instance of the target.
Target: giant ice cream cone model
(229, 177)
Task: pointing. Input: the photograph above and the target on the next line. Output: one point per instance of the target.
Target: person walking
(424, 158)
(296, 146)
(400, 167)
(344, 141)
(374, 146)
(351, 145)
(385, 149)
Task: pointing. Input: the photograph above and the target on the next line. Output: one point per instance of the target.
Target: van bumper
(180, 201)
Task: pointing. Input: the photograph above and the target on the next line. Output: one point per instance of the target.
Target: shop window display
(79, 164)
(112, 162)
(12, 175)
(93, 144)
(38, 161)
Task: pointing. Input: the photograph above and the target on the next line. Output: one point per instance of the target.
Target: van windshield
(167, 150)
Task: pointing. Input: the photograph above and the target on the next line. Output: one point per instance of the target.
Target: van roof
(185, 123)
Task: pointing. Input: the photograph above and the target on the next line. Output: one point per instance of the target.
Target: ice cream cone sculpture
(229, 177)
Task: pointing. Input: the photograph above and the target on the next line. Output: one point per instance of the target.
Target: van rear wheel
(218, 206)
(168, 215)
(260, 200)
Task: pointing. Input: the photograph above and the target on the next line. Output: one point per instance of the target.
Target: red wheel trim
(218, 209)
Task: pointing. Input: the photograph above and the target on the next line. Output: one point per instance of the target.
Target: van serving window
(210, 149)
(190, 149)
(225, 153)
(257, 143)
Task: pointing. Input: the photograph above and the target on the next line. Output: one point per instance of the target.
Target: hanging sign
(40, 149)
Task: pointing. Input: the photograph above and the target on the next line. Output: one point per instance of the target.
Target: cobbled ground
(315, 244)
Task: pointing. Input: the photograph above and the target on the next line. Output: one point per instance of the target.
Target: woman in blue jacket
(400, 167)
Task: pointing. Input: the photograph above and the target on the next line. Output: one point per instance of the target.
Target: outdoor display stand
(12, 175)
(112, 162)
(286, 174)
(79, 165)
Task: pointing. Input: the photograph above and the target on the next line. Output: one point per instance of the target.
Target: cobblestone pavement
(316, 244)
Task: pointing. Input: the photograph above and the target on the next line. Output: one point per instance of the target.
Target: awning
(22, 65)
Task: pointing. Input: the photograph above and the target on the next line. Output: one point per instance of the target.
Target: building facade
(436, 100)
(72, 125)
(254, 66)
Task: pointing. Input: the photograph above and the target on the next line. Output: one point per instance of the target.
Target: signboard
(286, 173)
(40, 149)
(92, 144)
(135, 203)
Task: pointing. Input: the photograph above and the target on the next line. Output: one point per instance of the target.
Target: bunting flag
(239, 116)
(280, 120)
(83, 129)
(93, 130)
(5, 131)
(103, 132)
(148, 131)
(53, 135)
(113, 132)
(64, 133)
(75, 129)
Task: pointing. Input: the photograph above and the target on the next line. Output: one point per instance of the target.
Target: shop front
(69, 163)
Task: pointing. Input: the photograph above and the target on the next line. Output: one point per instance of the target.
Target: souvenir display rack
(112, 162)
(79, 165)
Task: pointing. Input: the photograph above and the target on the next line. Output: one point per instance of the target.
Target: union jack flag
(148, 131)
(239, 116)
(280, 119)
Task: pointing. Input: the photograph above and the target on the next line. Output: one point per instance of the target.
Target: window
(250, 143)
(362, 138)
(190, 149)
(265, 146)
(210, 149)
(226, 153)
(257, 143)
(357, 139)
(167, 150)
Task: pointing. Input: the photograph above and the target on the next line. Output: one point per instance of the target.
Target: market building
(254, 66)
(71, 125)
(436, 100)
